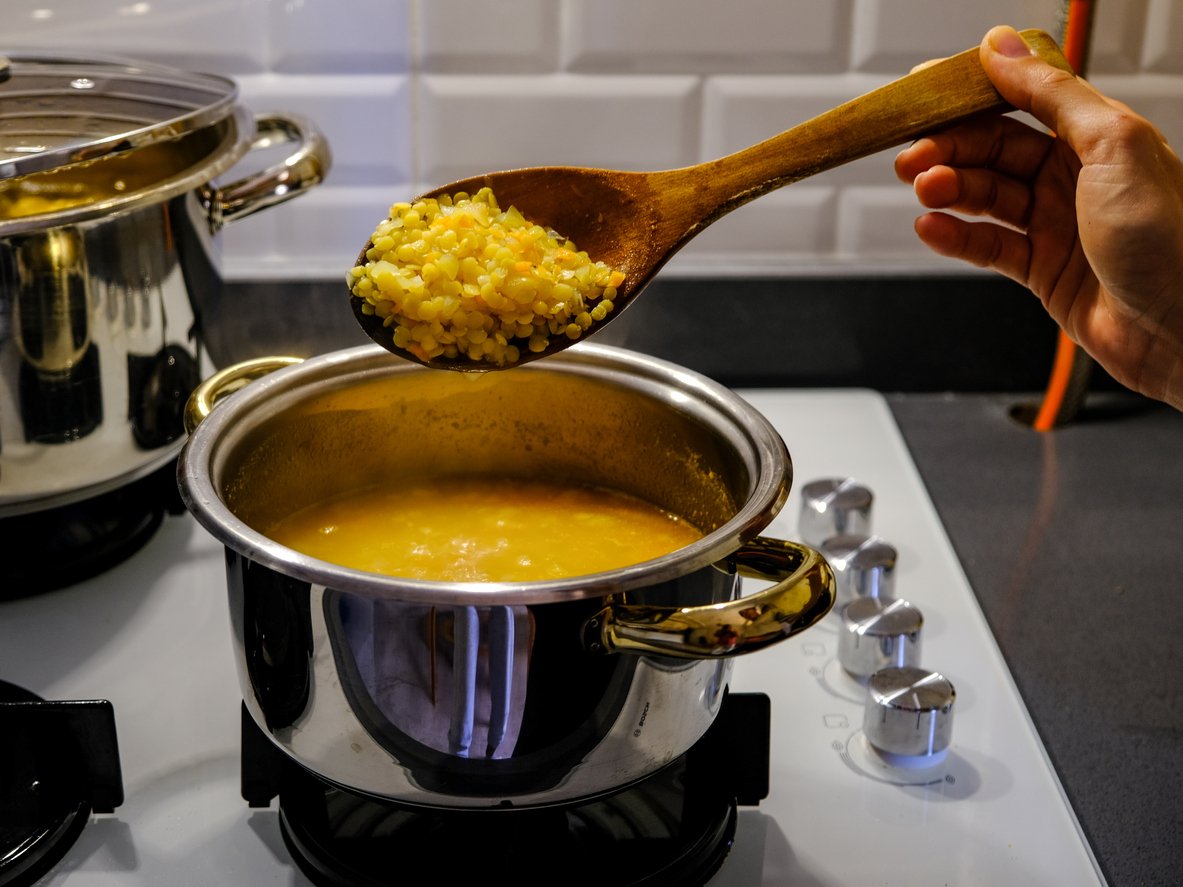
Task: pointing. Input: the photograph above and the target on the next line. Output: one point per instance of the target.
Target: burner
(650, 834)
(56, 547)
(60, 762)
(672, 829)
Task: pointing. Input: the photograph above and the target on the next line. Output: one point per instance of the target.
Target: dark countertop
(1073, 542)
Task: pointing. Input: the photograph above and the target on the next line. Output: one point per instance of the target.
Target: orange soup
(484, 530)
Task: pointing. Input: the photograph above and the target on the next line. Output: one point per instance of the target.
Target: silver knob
(909, 713)
(864, 566)
(878, 633)
(831, 507)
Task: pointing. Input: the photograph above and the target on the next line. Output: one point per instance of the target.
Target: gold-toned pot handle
(802, 594)
(226, 382)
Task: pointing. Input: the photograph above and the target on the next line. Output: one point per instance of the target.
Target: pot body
(496, 694)
(101, 270)
(463, 705)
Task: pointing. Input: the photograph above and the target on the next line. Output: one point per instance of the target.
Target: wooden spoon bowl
(635, 221)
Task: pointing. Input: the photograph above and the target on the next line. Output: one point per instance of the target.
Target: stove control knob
(832, 507)
(864, 566)
(908, 716)
(878, 633)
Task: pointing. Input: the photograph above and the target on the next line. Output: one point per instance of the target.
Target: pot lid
(55, 111)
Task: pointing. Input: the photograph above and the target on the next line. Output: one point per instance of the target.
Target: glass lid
(56, 111)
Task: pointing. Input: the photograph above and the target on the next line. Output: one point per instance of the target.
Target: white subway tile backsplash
(741, 111)
(468, 125)
(875, 224)
(1163, 49)
(218, 36)
(705, 36)
(1115, 45)
(366, 120)
(250, 244)
(414, 93)
(1154, 97)
(354, 37)
(506, 37)
(795, 222)
(894, 35)
(318, 234)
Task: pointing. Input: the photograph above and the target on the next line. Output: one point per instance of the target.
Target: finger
(1002, 143)
(980, 243)
(1064, 103)
(921, 155)
(975, 192)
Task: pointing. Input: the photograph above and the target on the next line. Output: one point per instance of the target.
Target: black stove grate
(55, 547)
(672, 829)
(60, 764)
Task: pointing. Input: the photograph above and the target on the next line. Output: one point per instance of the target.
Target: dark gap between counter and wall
(906, 334)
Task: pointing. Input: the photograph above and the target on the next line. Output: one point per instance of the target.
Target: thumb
(1056, 98)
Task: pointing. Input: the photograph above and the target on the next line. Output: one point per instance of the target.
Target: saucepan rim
(668, 383)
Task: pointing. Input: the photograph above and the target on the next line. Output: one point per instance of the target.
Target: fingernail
(1008, 42)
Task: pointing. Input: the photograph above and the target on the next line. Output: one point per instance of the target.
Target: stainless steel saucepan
(476, 695)
(110, 205)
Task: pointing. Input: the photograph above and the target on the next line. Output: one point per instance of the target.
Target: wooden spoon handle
(928, 99)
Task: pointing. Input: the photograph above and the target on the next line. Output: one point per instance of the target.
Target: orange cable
(1076, 37)
(1057, 384)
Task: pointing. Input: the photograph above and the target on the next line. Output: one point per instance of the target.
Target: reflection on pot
(451, 679)
(487, 701)
(51, 313)
(60, 393)
(159, 385)
(271, 620)
(105, 352)
(61, 407)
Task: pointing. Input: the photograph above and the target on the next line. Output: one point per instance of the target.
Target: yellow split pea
(459, 278)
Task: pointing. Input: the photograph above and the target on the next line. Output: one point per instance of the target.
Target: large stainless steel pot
(109, 208)
(494, 694)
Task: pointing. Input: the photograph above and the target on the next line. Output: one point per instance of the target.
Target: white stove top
(153, 636)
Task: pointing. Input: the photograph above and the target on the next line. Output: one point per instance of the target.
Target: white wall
(415, 93)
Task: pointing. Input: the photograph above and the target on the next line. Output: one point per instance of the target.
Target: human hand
(1090, 220)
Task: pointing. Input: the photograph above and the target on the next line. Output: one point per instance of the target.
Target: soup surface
(484, 530)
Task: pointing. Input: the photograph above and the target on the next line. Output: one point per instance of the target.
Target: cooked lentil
(458, 277)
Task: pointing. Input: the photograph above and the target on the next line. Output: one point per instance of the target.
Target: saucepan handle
(305, 167)
(226, 382)
(802, 593)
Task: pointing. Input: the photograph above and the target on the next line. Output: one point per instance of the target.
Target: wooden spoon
(635, 221)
